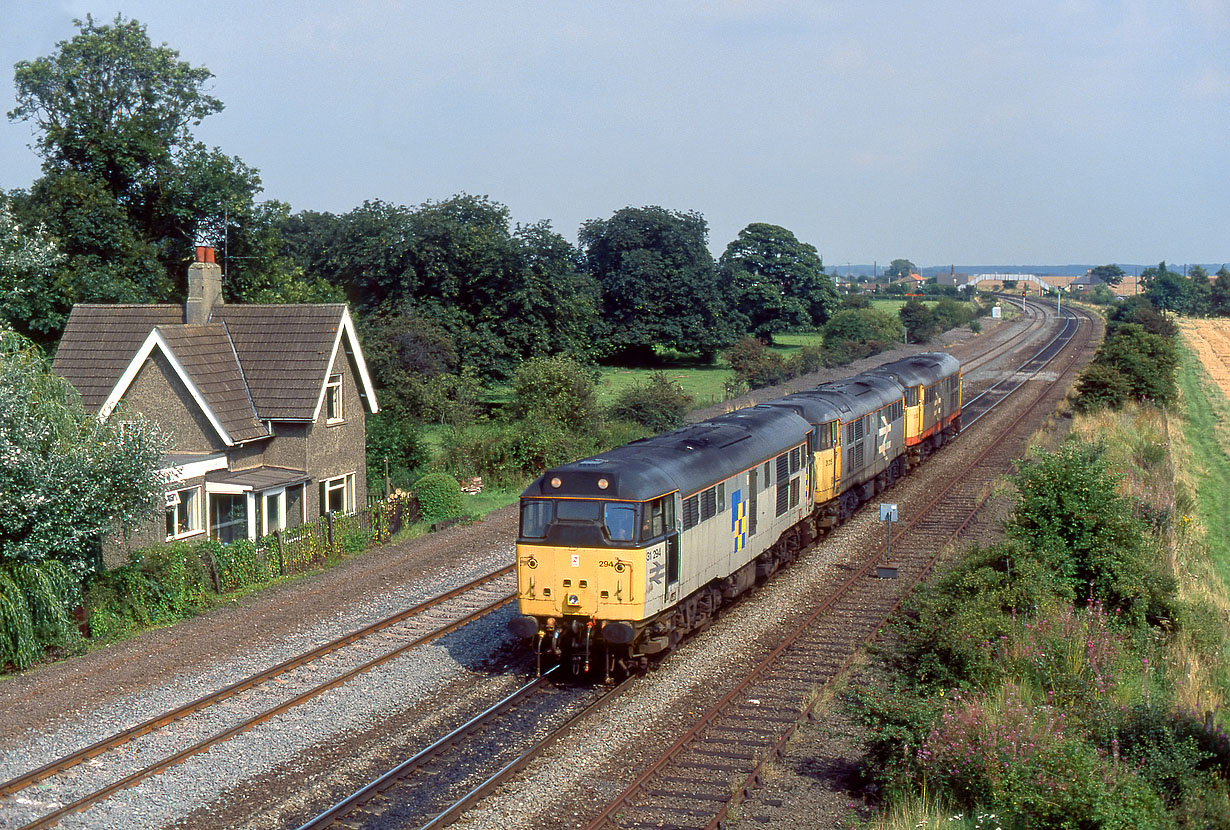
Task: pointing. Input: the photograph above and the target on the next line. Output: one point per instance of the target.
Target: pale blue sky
(968, 132)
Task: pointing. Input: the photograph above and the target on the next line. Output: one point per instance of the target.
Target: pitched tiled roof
(249, 362)
(99, 342)
(285, 351)
(206, 354)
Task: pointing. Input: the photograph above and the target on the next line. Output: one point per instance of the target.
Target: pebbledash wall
(264, 431)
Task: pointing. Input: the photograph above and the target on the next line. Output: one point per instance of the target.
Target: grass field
(1208, 412)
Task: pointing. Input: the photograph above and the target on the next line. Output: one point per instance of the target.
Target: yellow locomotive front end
(585, 569)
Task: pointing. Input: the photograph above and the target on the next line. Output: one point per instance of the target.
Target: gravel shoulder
(275, 776)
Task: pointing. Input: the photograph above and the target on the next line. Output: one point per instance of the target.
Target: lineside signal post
(888, 515)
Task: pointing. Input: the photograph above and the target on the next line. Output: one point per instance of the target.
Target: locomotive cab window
(826, 436)
(535, 517)
(912, 395)
(658, 518)
(620, 522)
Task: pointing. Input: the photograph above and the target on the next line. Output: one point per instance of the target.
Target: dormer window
(333, 400)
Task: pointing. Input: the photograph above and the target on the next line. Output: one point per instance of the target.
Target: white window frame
(175, 499)
(267, 526)
(346, 484)
(333, 400)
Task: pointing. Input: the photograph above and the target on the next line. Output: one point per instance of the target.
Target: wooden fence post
(277, 534)
(213, 571)
(329, 526)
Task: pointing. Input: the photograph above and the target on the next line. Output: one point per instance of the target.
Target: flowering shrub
(1072, 656)
(1031, 763)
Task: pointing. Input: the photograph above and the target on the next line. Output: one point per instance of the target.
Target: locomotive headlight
(603, 484)
(573, 599)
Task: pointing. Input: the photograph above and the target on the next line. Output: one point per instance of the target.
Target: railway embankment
(1077, 670)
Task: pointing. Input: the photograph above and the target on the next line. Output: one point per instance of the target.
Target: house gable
(347, 342)
(155, 341)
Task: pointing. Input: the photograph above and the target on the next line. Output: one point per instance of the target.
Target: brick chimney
(204, 286)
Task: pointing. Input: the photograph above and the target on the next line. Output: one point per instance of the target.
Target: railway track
(394, 636)
(694, 778)
(439, 782)
(718, 761)
(268, 694)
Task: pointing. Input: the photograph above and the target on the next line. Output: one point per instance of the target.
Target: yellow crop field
(1210, 340)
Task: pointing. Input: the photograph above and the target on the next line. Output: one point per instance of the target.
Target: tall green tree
(500, 295)
(126, 189)
(658, 282)
(1110, 274)
(29, 263)
(899, 269)
(66, 477)
(776, 281)
(1219, 293)
(919, 321)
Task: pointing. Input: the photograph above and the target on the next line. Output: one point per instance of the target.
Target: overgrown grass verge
(1075, 675)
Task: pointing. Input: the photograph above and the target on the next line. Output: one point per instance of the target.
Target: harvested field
(1210, 340)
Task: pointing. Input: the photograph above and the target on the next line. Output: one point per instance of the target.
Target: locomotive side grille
(783, 467)
(783, 498)
(858, 455)
(691, 512)
(794, 492)
(708, 504)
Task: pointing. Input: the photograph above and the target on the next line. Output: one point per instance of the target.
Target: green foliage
(1101, 386)
(125, 187)
(493, 296)
(919, 321)
(556, 390)
(157, 586)
(394, 437)
(657, 279)
(1110, 274)
(439, 497)
(29, 265)
(34, 603)
(755, 364)
(510, 453)
(657, 403)
(1146, 362)
(863, 325)
(776, 282)
(1071, 517)
(66, 477)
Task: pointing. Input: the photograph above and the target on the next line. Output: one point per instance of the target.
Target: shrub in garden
(393, 436)
(863, 325)
(919, 321)
(439, 497)
(512, 452)
(34, 597)
(805, 361)
(657, 403)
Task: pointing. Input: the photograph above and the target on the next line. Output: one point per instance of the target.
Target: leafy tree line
(1136, 361)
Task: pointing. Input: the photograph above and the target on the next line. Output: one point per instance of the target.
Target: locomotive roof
(687, 459)
(920, 369)
(842, 400)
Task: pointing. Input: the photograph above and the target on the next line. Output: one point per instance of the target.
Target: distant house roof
(1087, 280)
(247, 364)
